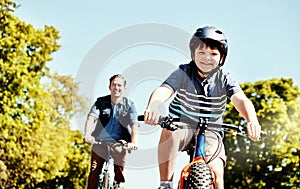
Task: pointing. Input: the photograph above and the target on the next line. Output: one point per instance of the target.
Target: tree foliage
(273, 162)
(66, 103)
(38, 149)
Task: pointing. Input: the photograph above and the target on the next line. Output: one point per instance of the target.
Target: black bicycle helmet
(211, 32)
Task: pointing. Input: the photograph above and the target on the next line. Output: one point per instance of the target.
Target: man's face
(117, 87)
(206, 58)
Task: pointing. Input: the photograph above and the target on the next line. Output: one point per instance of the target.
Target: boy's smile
(206, 58)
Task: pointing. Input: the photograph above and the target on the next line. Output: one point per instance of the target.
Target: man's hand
(253, 130)
(132, 146)
(89, 139)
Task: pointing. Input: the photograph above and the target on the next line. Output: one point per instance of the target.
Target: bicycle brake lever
(167, 123)
(242, 134)
(168, 126)
(172, 127)
(263, 133)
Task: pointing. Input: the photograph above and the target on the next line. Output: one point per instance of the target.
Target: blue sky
(263, 39)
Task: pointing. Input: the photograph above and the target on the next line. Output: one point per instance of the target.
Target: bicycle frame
(199, 151)
(198, 156)
(104, 176)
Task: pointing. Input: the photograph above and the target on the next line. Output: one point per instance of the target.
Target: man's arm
(134, 131)
(245, 107)
(90, 125)
(134, 137)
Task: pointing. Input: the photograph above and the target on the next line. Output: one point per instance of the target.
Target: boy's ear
(222, 57)
(192, 56)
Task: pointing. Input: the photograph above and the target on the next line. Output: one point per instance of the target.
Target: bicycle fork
(199, 153)
(104, 177)
(200, 145)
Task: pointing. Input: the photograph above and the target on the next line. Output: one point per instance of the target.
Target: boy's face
(206, 58)
(117, 87)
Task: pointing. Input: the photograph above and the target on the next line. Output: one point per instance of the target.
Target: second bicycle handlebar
(111, 144)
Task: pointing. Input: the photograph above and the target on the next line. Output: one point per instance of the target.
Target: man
(112, 118)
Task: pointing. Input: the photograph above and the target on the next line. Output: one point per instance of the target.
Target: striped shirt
(200, 97)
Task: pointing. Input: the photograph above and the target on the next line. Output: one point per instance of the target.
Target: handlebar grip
(140, 118)
(164, 122)
(263, 133)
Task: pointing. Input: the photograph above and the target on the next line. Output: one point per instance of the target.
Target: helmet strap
(204, 73)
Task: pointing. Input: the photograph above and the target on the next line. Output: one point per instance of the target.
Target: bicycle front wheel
(200, 176)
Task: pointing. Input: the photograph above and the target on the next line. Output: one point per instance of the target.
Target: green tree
(38, 149)
(273, 162)
(67, 103)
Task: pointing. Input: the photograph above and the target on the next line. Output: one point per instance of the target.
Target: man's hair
(117, 76)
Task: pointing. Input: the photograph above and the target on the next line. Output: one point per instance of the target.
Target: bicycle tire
(200, 176)
(105, 181)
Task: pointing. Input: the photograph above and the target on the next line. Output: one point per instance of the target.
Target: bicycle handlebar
(165, 122)
(111, 144)
(161, 119)
(168, 123)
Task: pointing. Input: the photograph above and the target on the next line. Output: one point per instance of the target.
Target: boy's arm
(245, 107)
(157, 98)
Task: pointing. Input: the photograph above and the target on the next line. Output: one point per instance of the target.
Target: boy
(201, 91)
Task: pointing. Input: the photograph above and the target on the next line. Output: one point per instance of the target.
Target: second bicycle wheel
(200, 176)
(105, 181)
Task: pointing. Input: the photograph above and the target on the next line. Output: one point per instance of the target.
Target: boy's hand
(253, 130)
(151, 117)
